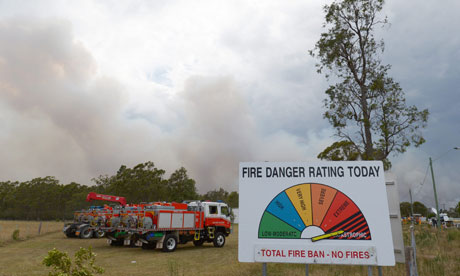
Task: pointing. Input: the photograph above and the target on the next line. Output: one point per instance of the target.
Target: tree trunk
(368, 145)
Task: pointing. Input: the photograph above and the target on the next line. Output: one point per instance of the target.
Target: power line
(444, 153)
(424, 179)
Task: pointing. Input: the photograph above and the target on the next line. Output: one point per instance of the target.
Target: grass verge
(437, 254)
(14, 230)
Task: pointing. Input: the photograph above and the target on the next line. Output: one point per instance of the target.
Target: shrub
(15, 235)
(62, 264)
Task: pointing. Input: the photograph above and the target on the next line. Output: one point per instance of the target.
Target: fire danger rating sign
(322, 212)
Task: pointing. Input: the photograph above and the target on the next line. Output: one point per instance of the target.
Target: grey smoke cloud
(64, 111)
(220, 132)
(61, 117)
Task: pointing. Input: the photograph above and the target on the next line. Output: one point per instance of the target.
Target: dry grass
(27, 229)
(437, 255)
(438, 252)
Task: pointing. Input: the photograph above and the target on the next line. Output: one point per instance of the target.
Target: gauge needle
(325, 236)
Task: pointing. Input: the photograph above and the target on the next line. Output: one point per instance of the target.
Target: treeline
(45, 198)
(420, 208)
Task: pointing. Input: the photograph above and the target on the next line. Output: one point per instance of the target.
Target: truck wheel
(86, 233)
(170, 243)
(198, 242)
(99, 234)
(70, 232)
(219, 239)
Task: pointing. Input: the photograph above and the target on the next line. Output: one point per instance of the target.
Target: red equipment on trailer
(93, 196)
(85, 220)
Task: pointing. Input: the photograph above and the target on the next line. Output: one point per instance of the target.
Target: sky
(88, 86)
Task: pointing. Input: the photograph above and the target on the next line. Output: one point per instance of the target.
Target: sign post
(315, 212)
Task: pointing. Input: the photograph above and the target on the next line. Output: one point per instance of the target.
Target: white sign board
(315, 212)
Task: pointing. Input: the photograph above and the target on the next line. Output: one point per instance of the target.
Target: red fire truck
(163, 225)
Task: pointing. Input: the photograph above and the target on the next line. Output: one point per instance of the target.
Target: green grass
(437, 254)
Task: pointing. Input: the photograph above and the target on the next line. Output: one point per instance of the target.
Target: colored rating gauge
(313, 211)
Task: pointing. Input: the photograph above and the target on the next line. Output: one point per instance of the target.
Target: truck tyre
(198, 242)
(86, 233)
(70, 231)
(219, 239)
(99, 234)
(170, 243)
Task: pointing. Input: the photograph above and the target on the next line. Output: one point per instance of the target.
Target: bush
(15, 235)
(62, 264)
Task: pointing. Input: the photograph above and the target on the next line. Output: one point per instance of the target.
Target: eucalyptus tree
(365, 105)
(181, 187)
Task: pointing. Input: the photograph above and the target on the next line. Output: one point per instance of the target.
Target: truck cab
(216, 210)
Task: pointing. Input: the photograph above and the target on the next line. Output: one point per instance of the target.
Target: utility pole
(438, 222)
(411, 207)
(411, 262)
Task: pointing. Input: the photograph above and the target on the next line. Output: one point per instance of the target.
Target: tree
(405, 209)
(74, 197)
(41, 198)
(216, 195)
(181, 187)
(38, 198)
(7, 198)
(420, 208)
(431, 215)
(366, 107)
(142, 183)
(339, 151)
(233, 199)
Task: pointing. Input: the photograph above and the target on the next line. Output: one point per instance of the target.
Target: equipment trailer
(85, 220)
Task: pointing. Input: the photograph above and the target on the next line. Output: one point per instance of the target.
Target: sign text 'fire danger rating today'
(310, 171)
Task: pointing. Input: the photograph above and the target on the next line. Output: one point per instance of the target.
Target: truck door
(224, 211)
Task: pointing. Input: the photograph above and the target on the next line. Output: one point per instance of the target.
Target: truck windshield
(224, 210)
